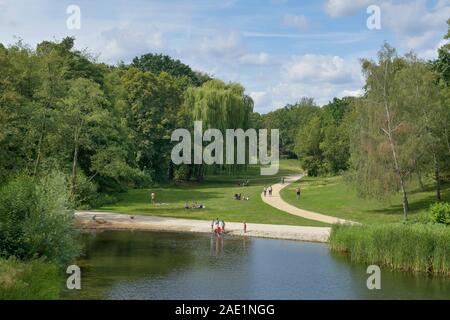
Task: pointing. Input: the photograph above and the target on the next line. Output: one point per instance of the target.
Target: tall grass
(35, 279)
(408, 247)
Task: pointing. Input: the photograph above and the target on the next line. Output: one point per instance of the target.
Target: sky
(279, 50)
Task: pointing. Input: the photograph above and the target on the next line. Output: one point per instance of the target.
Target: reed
(408, 247)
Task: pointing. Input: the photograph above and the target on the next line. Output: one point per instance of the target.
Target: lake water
(160, 265)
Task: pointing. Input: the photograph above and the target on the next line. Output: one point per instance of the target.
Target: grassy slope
(217, 194)
(333, 197)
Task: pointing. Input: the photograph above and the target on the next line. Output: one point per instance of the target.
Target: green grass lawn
(332, 196)
(217, 194)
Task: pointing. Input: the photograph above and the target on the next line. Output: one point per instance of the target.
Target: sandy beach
(118, 221)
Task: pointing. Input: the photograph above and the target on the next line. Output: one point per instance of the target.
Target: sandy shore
(116, 221)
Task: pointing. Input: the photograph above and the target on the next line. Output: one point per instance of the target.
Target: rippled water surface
(157, 265)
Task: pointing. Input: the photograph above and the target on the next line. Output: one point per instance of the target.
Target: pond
(160, 265)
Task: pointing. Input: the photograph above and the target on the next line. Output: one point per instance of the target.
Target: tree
(383, 132)
(157, 63)
(84, 108)
(220, 106)
(151, 104)
(307, 147)
(420, 97)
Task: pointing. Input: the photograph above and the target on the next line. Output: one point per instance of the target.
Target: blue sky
(280, 50)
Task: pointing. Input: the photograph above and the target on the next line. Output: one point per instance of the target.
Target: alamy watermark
(214, 153)
(374, 280)
(73, 22)
(374, 20)
(74, 280)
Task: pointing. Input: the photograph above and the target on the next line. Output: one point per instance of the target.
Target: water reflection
(156, 265)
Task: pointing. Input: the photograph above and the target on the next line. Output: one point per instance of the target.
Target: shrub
(440, 213)
(35, 220)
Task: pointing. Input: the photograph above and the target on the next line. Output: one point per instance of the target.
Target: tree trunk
(39, 146)
(419, 178)
(437, 177)
(392, 144)
(74, 169)
(75, 160)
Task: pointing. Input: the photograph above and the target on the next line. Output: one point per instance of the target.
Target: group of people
(195, 205)
(267, 190)
(238, 196)
(218, 226)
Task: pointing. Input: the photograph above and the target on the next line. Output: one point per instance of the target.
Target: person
(220, 226)
(245, 227)
(223, 226)
(265, 191)
(282, 180)
(216, 226)
(212, 225)
(297, 192)
(186, 205)
(270, 191)
(153, 196)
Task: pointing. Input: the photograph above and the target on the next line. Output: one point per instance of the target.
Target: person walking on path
(282, 180)
(270, 191)
(265, 191)
(297, 192)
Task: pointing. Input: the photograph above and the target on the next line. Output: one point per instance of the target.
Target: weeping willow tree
(219, 106)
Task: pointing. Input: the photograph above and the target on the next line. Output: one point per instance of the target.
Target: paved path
(105, 220)
(276, 202)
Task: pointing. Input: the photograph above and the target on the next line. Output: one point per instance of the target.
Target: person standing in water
(223, 226)
(245, 227)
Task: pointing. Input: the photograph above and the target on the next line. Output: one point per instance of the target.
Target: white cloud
(126, 43)
(261, 58)
(220, 46)
(320, 68)
(297, 21)
(339, 8)
(321, 77)
(417, 27)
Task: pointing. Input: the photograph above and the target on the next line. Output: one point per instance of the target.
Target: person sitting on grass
(197, 206)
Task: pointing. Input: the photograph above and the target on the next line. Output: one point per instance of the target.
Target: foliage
(35, 220)
(440, 213)
(157, 63)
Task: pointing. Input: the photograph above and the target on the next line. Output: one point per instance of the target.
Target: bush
(35, 220)
(440, 213)
(410, 247)
(35, 279)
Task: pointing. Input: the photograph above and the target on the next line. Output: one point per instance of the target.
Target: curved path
(276, 202)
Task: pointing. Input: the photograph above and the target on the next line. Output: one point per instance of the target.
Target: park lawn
(217, 194)
(332, 196)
